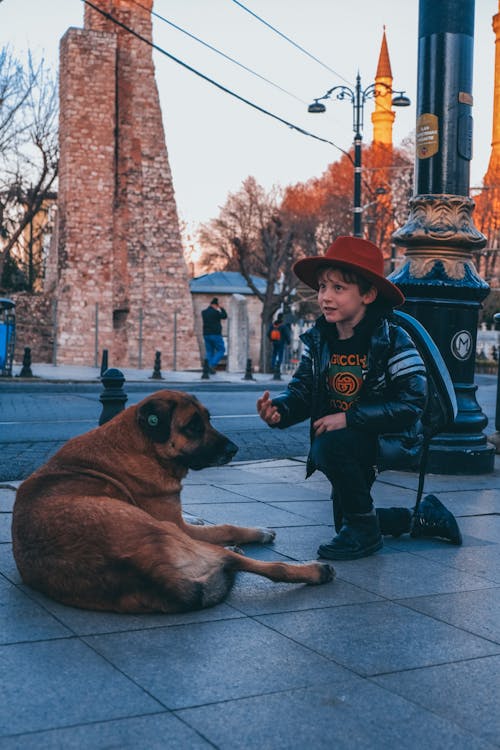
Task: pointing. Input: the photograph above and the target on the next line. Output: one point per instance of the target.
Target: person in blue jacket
(279, 335)
(363, 384)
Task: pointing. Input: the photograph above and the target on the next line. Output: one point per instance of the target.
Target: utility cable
(218, 51)
(280, 33)
(298, 46)
(210, 80)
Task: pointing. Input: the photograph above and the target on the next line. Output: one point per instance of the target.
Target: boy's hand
(329, 423)
(266, 410)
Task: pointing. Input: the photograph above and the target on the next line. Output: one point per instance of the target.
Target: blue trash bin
(7, 335)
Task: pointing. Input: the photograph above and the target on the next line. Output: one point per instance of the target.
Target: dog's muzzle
(217, 454)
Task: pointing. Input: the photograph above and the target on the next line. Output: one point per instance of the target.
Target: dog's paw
(326, 572)
(267, 535)
(193, 520)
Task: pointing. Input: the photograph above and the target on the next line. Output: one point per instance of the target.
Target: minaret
(487, 202)
(493, 171)
(383, 116)
(122, 281)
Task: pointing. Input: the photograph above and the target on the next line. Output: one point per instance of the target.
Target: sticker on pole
(461, 345)
(427, 136)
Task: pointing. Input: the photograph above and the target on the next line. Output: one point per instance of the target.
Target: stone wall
(121, 274)
(34, 326)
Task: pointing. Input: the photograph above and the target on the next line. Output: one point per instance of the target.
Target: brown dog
(100, 525)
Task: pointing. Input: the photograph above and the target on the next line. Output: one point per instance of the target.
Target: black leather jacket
(391, 401)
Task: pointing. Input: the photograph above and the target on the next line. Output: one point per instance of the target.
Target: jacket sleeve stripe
(406, 363)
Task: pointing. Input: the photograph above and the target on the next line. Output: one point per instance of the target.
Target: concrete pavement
(401, 650)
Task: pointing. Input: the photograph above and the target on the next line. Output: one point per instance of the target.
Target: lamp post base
(444, 292)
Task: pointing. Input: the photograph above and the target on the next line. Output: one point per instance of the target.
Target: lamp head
(401, 100)
(316, 107)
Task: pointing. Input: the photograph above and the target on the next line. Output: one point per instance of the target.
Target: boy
(363, 384)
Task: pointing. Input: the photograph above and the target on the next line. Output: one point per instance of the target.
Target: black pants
(347, 457)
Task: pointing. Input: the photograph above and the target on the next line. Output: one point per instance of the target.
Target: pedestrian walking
(212, 333)
(279, 335)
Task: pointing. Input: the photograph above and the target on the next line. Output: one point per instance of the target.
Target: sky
(215, 141)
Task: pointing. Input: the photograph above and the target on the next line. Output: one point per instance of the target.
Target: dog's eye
(195, 427)
(153, 420)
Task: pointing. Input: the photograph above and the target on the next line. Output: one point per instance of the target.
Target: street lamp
(358, 97)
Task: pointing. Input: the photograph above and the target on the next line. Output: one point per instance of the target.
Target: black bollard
(248, 372)
(277, 373)
(26, 368)
(104, 361)
(205, 375)
(113, 396)
(157, 368)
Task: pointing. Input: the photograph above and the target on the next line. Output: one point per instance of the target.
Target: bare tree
(254, 236)
(28, 166)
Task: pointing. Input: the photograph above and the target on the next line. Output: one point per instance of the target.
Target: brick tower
(122, 282)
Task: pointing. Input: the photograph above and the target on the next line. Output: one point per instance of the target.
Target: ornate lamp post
(441, 285)
(357, 96)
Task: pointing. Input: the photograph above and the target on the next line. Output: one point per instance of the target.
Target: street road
(37, 418)
(36, 421)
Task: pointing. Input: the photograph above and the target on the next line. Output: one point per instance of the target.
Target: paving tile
(205, 662)
(154, 732)
(378, 637)
(281, 492)
(318, 511)
(469, 503)
(477, 612)
(482, 559)
(7, 497)
(222, 475)
(345, 714)
(245, 514)
(278, 474)
(438, 483)
(208, 493)
(486, 528)
(22, 619)
(403, 574)
(384, 496)
(466, 693)
(8, 566)
(301, 543)
(86, 622)
(254, 595)
(52, 684)
(5, 527)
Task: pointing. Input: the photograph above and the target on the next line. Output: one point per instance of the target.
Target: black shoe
(359, 537)
(433, 519)
(394, 521)
(212, 370)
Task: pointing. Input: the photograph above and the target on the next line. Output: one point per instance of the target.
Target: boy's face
(340, 301)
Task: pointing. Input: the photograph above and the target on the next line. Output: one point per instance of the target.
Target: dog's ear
(154, 418)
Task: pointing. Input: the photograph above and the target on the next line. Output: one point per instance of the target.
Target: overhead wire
(218, 85)
(218, 51)
(302, 49)
(291, 41)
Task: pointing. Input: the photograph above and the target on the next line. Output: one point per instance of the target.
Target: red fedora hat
(353, 254)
